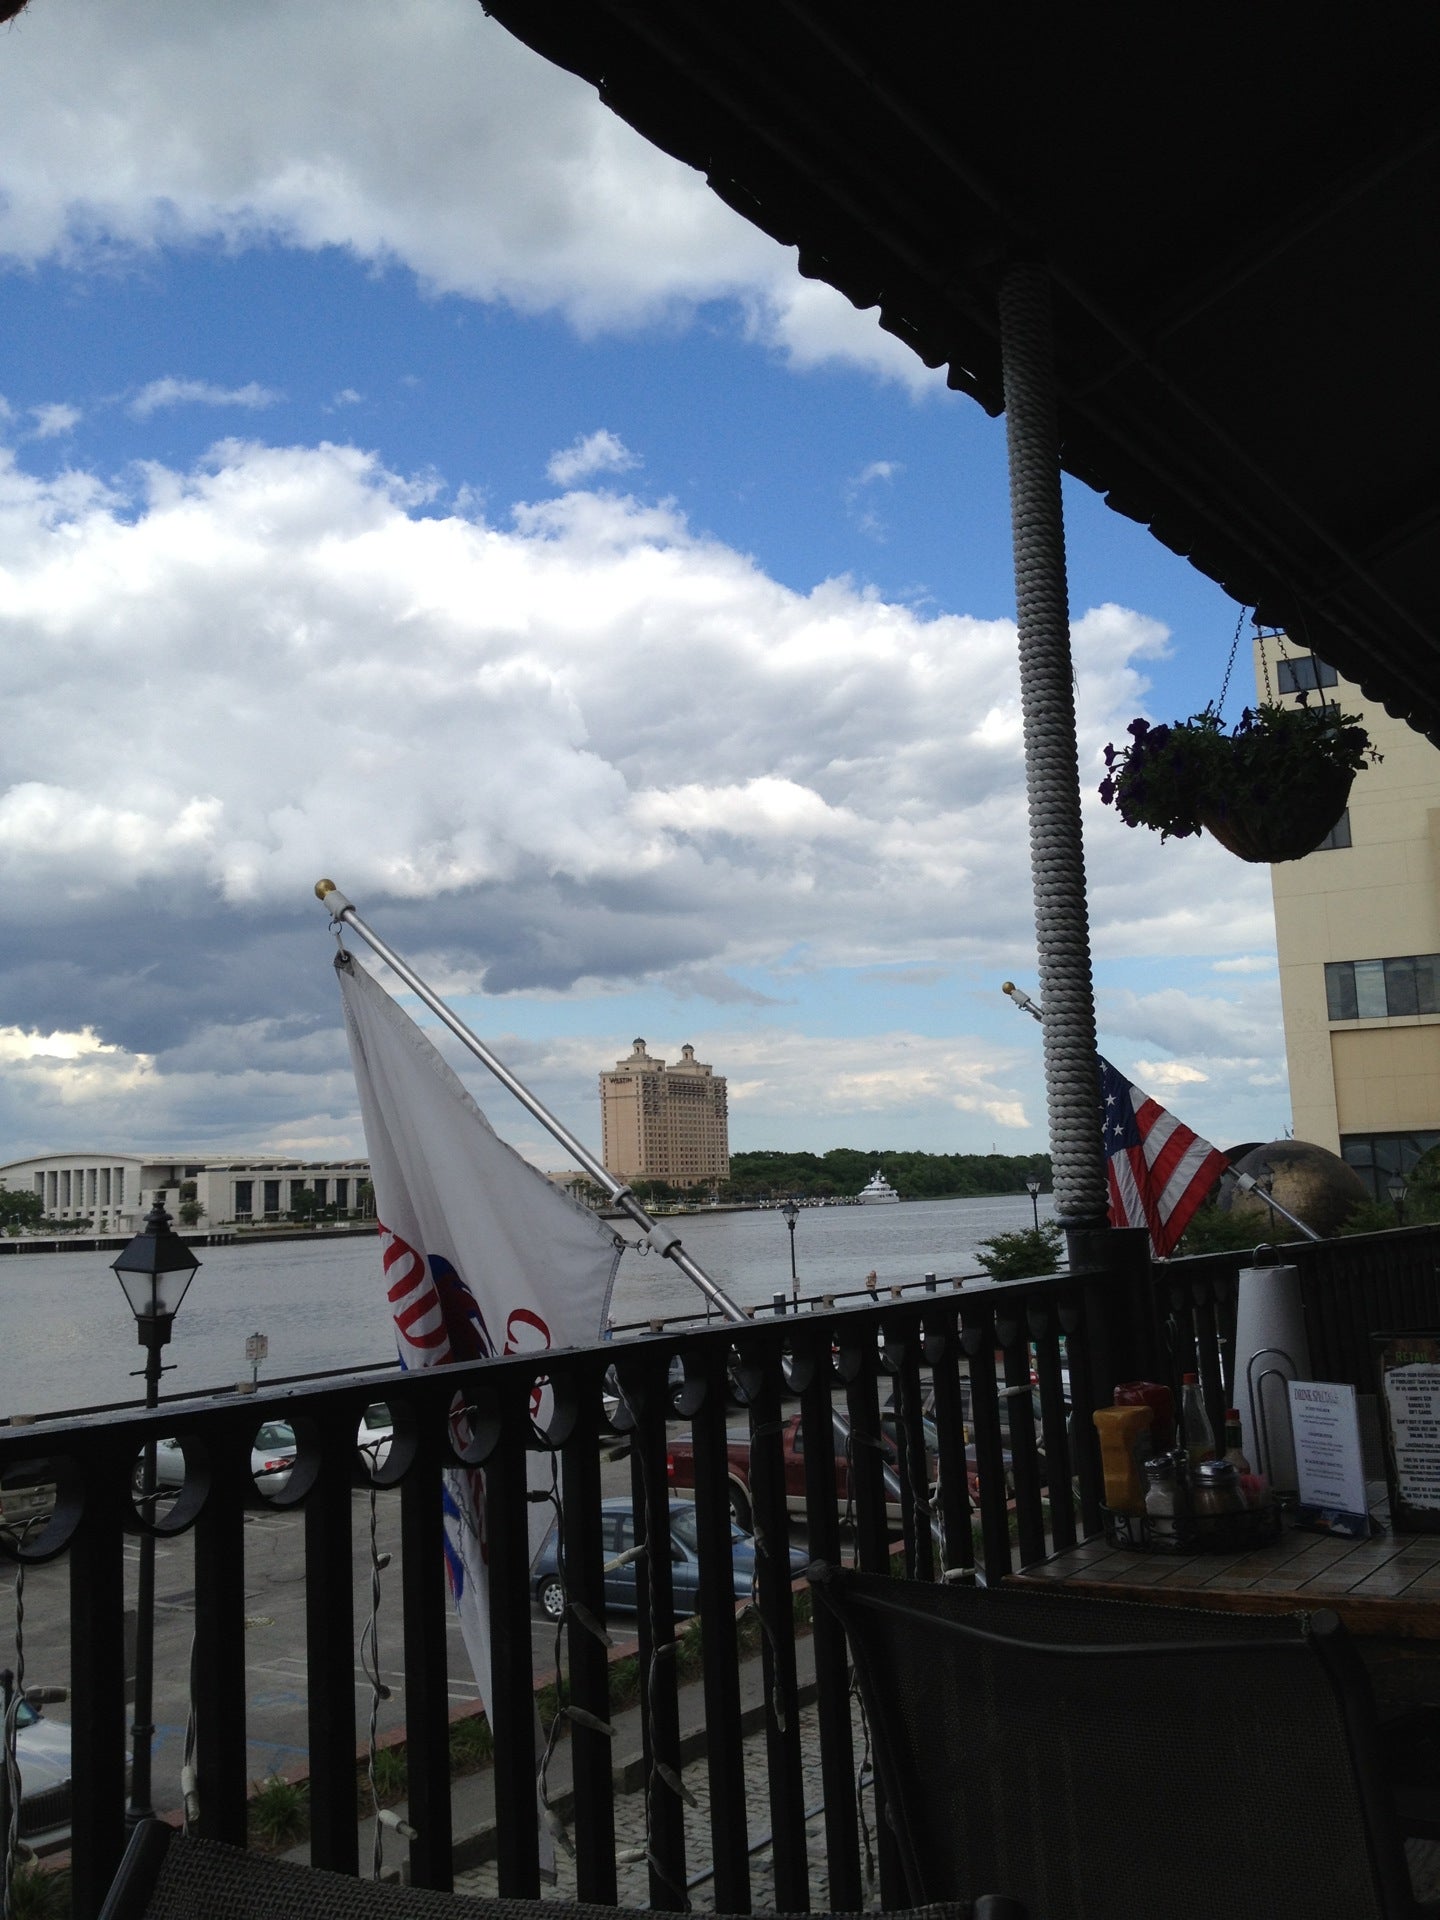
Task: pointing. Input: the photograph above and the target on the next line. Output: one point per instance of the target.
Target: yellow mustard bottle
(1121, 1451)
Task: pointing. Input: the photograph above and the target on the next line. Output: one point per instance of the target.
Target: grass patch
(37, 1895)
(279, 1813)
(472, 1744)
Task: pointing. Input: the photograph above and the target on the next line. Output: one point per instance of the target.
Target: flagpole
(660, 1239)
(1244, 1181)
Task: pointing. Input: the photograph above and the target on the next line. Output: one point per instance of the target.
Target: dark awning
(1238, 206)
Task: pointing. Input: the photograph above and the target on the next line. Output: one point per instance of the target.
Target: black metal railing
(953, 1450)
(945, 1434)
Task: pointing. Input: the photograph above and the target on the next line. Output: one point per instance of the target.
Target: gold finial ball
(323, 888)
(1006, 986)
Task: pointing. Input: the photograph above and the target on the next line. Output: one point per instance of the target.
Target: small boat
(879, 1192)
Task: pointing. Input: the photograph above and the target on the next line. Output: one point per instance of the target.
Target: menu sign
(1409, 1367)
(1328, 1467)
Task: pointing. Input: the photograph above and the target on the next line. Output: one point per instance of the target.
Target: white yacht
(878, 1192)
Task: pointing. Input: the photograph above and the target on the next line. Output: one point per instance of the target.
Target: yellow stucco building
(662, 1122)
(1357, 927)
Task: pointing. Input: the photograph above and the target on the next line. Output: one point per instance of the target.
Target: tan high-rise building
(665, 1123)
(1357, 926)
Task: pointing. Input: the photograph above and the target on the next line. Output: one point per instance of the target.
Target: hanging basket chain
(1230, 663)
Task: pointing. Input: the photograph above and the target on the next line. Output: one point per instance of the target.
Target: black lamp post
(155, 1269)
(792, 1214)
(1032, 1187)
(1397, 1187)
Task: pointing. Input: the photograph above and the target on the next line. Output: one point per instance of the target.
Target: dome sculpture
(1311, 1182)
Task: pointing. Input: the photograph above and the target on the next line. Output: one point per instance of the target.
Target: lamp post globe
(1032, 1187)
(155, 1270)
(791, 1214)
(1397, 1187)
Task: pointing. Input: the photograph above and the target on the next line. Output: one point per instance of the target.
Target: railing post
(427, 1695)
(1121, 1322)
(97, 1688)
(330, 1655)
(724, 1744)
(220, 1644)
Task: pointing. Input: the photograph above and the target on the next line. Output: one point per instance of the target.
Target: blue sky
(412, 477)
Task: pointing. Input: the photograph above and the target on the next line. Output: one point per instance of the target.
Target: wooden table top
(1388, 1585)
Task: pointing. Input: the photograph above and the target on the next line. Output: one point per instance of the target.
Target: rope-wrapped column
(1052, 769)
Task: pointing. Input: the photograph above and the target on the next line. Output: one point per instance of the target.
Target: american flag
(1159, 1171)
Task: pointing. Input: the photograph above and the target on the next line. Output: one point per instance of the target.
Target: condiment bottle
(1234, 1448)
(1161, 1500)
(1199, 1434)
(1161, 1402)
(1125, 1440)
(1216, 1490)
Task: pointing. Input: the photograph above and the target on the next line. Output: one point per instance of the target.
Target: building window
(322, 1187)
(1338, 836)
(1303, 675)
(1382, 989)
(342, 1195)
(244, 1198)
(272, 1197)
(1378, 1157)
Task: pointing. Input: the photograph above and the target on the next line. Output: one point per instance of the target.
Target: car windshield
(684, 1525)
(275, 1433)
(25, 1714)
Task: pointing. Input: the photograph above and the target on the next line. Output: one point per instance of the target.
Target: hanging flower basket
(1268, 790)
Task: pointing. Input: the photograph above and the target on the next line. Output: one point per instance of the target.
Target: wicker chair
(1104, 1758)
(167, 1876)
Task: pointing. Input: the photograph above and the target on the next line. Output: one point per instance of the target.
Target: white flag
(482, 1254)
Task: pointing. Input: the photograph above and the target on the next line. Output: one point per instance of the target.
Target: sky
(409, 476)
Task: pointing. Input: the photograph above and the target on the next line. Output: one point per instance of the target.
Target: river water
(67, 1338)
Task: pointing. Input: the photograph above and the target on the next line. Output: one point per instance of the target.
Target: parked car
(377, 1430)
(680, 1466)
(617, 1520)
(42, 1750)
(272, 1457)
(27, 1498)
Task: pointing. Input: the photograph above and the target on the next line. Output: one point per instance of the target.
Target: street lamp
(1397, 1187)
(155, 1270)
(792, 1214)
(1032, 1187)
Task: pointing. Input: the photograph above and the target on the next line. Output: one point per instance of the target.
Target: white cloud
(171, 392)
(600, 452)
(1246, 963)
(880, 1076)
(54, 419)
(434, 703)
(581, 749)
(425, 136)
(1167, 1075)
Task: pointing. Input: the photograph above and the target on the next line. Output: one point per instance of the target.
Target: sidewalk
(473, 1800)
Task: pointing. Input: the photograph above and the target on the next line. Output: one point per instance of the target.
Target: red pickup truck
(680, 1466)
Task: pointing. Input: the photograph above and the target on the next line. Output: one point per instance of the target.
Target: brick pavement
(633, 1874)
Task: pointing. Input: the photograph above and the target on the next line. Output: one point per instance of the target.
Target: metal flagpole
(660, 1239)
(1247, 1183)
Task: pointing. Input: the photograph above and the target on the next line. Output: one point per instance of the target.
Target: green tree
(303, 1203)
(1024, 1255)
(20, 1209)
(191, 1212)
(1214, 1230)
